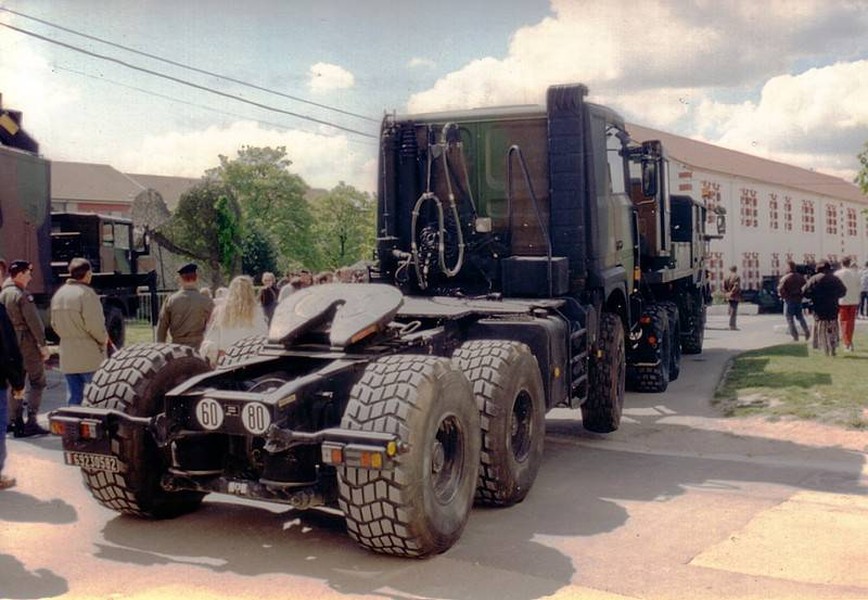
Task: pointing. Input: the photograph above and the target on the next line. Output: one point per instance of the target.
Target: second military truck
(528, 258)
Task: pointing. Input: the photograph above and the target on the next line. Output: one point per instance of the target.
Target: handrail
(516, 149)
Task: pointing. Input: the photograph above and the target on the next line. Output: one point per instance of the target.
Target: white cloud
(36, 97)
(668, 64)
(321, 160)
(800, 119)
(418, 62)
(325, 77)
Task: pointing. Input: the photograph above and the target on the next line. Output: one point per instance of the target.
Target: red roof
(709, 157)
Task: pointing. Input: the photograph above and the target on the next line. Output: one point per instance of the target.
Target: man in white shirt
(848, 305)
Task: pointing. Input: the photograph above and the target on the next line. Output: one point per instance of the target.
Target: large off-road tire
(509, 394)
(655, 379)
(134, 382)
(601, 412)
(241, 351)
(674, 339)
(693, 330)
(419, 507)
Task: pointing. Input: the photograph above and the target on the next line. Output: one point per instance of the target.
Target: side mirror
(649, 178)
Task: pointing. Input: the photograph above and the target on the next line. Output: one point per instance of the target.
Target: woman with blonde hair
(240, 315)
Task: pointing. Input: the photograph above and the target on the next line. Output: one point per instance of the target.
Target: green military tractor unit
(528, 258)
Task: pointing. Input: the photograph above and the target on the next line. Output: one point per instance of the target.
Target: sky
(166, 87)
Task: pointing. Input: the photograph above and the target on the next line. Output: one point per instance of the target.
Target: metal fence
(143, 315)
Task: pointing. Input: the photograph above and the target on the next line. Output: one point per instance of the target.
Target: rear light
(365, 457)
(87, 429)
(90, 429)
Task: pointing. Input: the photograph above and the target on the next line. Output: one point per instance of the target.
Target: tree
(272, 200)
(206, 226)
(345, 226)
(149, 210)
(257, 254)
(862, 176)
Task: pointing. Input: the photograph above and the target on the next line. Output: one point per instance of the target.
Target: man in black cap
(30, 332)
(186, 312)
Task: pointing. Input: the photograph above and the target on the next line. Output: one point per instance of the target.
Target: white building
(774, 212)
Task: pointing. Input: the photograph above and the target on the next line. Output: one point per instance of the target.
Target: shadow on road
(23, 508)
(17, 582)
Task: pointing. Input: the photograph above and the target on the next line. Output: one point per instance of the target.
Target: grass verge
(795, 381)
(139, 332)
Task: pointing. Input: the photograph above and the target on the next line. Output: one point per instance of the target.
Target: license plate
(94, 462)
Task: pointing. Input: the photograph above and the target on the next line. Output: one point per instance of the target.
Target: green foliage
(272, 199)
(345, 227)
(252, 213)
(862, 176)
(206, 227)
(257, 254)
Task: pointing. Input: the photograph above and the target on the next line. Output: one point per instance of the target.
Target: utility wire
(196, 105)
(187, 83)
(189, 67)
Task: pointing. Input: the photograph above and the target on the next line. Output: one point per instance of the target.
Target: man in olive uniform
(185, 313)
(30, 332)
(77, 317)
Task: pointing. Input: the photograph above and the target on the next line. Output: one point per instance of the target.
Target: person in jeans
(11, 374)
(790, 291)
(77, 317)
(823, 290)
(732, 294)
(849, 304)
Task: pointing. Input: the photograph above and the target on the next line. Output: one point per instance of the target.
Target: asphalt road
(679, 503)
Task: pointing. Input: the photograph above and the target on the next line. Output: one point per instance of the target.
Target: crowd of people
(190, 316)
(835, 297)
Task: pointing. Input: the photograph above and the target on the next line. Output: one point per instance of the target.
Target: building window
(776, 263)
(831, 219)
(852, 220)
(715, 269)
(749, 208)
(773, 211)
(788, 213)
(750, 270)
(808, 224)
(711, 197)
(809, 259)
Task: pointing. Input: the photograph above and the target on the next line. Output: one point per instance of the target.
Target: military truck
(30, 231)
(517, 271)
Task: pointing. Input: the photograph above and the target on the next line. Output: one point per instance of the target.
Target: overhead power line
(280, 126)
(183, 82)
(190, 67)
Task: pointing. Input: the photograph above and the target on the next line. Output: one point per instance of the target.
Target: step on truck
(517, 270)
